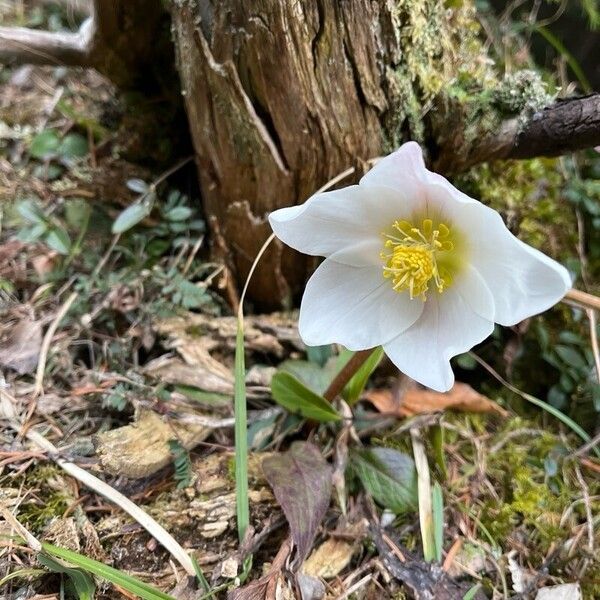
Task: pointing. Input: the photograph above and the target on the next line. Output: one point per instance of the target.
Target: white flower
(414, 265)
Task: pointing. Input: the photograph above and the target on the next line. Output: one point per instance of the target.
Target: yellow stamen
(411, 255)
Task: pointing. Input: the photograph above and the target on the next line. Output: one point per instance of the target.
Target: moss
(50, 498)
(529, 195)
(445, 73)
(531, 501)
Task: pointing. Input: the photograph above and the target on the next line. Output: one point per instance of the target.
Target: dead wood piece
(142, 448)
(22, 45)
(110, 40)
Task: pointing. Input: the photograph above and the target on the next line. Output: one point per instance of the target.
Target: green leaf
(44, 144)
(436, 436)
(77, 212)
(319, 354)
(571, 357)
(181, 463)
(31, 234)
(132, 215)
(31, 212)
(202, 397)
(179, 213)
(58, 239)
(472, 592)
(82, 582)
(137, 185)
(73, 145)
(131, 584)
(313, 376)
(357, 383)
(297, 398)
(389, 476)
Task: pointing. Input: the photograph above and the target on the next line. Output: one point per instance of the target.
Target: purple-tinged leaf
(301, 481)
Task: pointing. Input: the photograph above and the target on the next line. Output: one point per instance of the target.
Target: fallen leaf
(416, 401)
(310, 587)
(566, 591)
(20, 345)
(301, 480)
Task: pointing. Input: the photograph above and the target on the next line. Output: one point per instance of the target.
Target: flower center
(412, 257)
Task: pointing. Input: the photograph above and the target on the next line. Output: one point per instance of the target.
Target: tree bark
(281, 96)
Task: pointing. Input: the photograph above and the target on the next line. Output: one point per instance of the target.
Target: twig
(31, 540)
(582, 299)
(41, 367)
(588, 508)
(7, 410)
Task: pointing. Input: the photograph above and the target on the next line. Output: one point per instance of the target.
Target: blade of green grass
(127, 582)
(471, 593)
(202, 578)
(241, 435)
(566, 420)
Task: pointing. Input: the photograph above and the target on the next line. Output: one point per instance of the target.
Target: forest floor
(118, 349)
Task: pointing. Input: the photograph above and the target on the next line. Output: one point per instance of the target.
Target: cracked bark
(281, 97)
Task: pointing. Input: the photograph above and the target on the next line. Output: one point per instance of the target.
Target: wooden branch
(122, 39)
(569, 125)
(23, 45)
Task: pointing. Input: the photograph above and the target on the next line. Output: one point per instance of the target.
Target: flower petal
(353, 306)
(336, 220)
(451, 323)
(403, 170)
(523, 280)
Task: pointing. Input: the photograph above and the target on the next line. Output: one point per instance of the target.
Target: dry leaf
(301, 482)
(418, 401)
(20, 345)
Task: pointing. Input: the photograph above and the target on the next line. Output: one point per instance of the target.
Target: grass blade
(127, 582)
(566, 420)
(241, 435)
(437, 502)
(425, 496)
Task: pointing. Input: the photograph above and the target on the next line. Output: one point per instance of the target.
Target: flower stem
(343, 377)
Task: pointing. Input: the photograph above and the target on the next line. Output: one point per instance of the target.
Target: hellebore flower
(413, 265)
